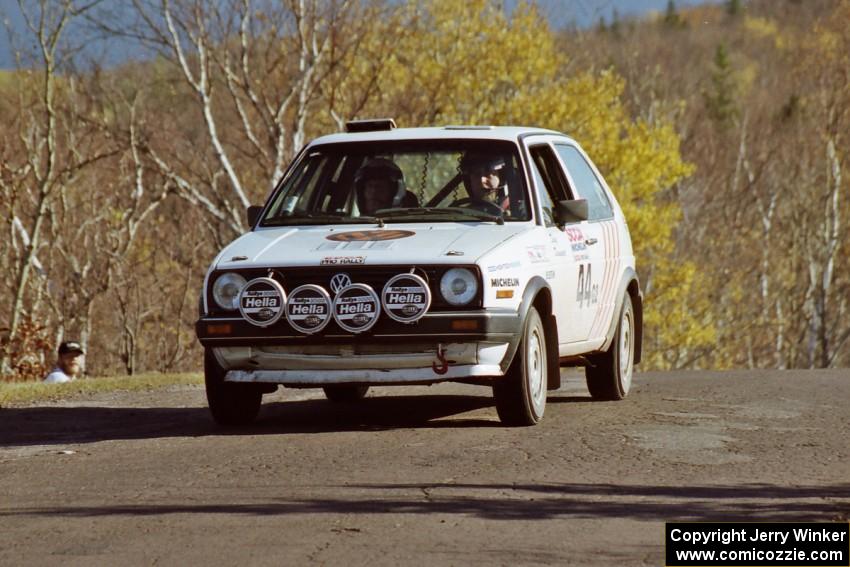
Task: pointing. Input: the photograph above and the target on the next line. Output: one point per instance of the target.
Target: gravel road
(419, 475)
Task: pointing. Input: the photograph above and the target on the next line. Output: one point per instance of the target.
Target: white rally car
(484, 255)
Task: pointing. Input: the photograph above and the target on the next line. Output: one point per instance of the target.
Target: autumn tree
(251, 76)
(512, 72)
(45, 152)
(73, 189)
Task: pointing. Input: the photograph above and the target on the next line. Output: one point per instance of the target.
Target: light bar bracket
(370, 125)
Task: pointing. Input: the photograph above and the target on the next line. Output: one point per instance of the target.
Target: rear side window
(586, 183)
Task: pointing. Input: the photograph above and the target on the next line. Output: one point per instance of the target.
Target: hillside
(721, 128)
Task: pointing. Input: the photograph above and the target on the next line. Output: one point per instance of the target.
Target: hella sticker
(261, 301)
(356, 308)
(308, 309)
(406, 298)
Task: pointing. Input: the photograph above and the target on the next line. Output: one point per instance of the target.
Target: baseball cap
(71, 346)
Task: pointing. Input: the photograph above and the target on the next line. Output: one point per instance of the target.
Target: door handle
(590, 241)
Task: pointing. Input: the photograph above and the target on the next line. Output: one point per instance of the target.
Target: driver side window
(546, 204)
(549, 180)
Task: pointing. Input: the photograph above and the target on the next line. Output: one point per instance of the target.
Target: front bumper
(491, 325)
(435, 349)
(410, 363)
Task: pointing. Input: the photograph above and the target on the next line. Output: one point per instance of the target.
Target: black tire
(230, 404)
(521, 393)
(610, 376)
(341, 393)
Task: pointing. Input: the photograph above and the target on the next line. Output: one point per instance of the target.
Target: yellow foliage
(469, 62)
(765, 28)
(828, 42)
(462, 61)
(678, 325)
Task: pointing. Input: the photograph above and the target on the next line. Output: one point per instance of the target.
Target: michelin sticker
(261, 301)
(308, 309)
(504, 282)
(406, 298)
(356, 308)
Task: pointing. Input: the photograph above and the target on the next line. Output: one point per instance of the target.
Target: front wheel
(230, 403)
(521, 393)
(610, 376)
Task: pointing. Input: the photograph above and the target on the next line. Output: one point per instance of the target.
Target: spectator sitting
(68, 364)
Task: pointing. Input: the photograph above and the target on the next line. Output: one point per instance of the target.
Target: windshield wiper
(377, 220)
(440, 211)
(319, 218)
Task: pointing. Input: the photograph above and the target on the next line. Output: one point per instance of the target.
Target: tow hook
(441, 357)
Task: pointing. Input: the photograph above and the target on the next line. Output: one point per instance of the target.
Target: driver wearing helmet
(379, 184)
(485, 178)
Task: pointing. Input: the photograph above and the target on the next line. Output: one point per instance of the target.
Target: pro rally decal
(342, 260)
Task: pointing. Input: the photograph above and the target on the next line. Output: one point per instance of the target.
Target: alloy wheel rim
(626, 352)
(535, 372)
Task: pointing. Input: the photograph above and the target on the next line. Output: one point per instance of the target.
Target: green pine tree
(720, 99)
(615, 23)
(733, 7)
(672, 19)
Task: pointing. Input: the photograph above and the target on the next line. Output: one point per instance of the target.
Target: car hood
(420, 243)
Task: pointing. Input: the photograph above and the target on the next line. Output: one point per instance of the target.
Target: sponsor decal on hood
(361, 235)
(342, 260)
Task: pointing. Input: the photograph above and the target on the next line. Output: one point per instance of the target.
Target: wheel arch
(629, 283)
(538, 294)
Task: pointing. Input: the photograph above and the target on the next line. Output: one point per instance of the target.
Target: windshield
(434, 180)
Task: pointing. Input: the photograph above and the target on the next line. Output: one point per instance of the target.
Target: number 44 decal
(588, 292)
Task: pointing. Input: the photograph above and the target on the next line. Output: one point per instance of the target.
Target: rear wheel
(230, 403)
(345, 392)
(521, 393)
(610, 377)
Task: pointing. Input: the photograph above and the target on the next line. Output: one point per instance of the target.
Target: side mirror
(253, 214)
(570, 211)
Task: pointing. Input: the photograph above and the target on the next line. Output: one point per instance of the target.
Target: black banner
(692, 544)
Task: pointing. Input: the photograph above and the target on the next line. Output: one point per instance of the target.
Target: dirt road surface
(420, 476)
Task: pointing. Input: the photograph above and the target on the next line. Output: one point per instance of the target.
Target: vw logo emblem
(340, 281)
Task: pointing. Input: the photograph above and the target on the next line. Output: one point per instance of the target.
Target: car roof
(506, 133)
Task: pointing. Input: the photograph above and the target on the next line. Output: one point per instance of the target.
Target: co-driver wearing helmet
(486, 181)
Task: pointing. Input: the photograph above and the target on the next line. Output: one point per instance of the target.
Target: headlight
(226, 290)
(459, 286)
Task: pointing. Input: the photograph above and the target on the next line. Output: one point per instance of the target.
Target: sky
(561, 13)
